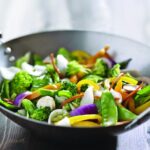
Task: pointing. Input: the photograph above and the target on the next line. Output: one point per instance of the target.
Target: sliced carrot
(74, 79)
(72, 99)
(133, 92)
(36, 93)
(131, 105)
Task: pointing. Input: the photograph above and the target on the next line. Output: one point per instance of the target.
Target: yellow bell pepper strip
(99, 54)
(115, 80)
(81, 56)
(36, 93)
(142, 108)
(129, 80)
(80, 118)
(89, 82)
(72, 99)
(86, 124)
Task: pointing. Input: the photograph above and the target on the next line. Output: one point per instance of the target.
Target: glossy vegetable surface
(73, 89)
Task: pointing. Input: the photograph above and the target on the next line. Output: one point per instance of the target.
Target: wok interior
(44, 43)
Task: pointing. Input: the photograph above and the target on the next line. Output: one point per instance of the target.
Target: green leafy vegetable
(4, 89)
(124, 64)
(74, 67)
(66, 85)
(40, 81)
(25, 58)
(115, 71)
(64, 52)
(108, 109)
(41, 114)
(94, 78)
(56, 78)
(37, 60)
(142, 96)
(64, 93)
(124, 114)
(100, 68)
(20, 83)
(46, 92)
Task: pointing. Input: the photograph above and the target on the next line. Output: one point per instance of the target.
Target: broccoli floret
(100, 68)
(66, 85)
(74, 67)
(115, 71)
(23, 59)
(20, 83)
(41, 113)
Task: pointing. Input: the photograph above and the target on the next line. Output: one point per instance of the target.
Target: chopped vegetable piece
(108, 109)
(86, 124)
(89, 82)
(80, 118)
(124, 114)
(142, 108)
(84, 110)
(7, 105)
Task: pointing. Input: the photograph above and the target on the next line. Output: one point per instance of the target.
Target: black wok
(44, 43)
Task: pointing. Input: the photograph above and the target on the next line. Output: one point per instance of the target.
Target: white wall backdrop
(129, 18)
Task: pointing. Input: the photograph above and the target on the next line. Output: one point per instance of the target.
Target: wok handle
(142, 117)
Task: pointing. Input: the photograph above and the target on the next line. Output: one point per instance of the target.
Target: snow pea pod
(124, 114)
(7, 105)
(108, 109)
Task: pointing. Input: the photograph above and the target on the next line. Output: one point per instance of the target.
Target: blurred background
(128, 18)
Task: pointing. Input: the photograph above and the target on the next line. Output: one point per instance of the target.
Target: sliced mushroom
(46, 101)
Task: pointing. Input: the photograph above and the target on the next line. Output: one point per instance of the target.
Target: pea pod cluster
(74, 89)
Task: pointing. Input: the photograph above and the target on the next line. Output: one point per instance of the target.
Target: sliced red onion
(20, 97)
(85, 109)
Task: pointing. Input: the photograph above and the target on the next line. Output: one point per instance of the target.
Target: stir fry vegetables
(74, 89)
